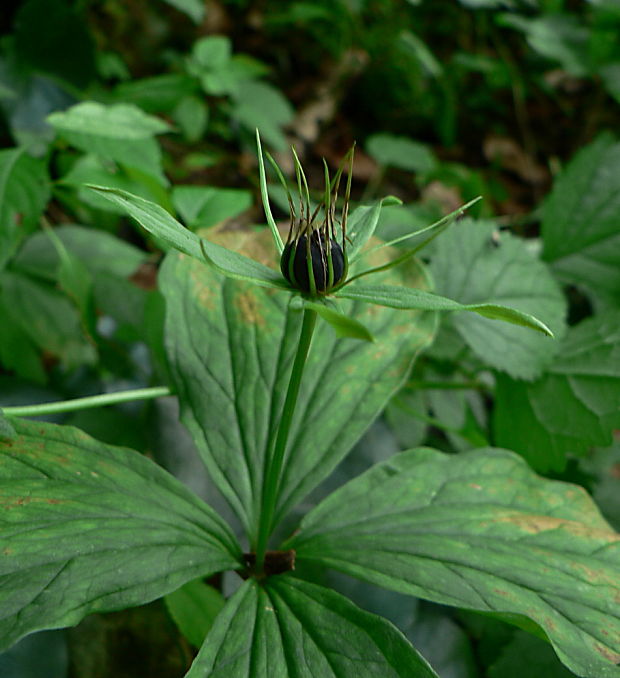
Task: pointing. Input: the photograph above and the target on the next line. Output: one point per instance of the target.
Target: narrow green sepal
(156, 220)
(343, 325)
(404, 298)
(265, 196)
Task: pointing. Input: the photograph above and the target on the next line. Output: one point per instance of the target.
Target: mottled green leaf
(481, 531)
(230, 348)
(291, 628)
(89, 527)
(580, 220)
(474, 264)
(575, 405)
(194, 608)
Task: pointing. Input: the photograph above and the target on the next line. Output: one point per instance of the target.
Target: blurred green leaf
(97, 250)
(262, 106)
(47, 317)
(479, 530)
(573, 406)
(194, 607)
(24, 193)
(474, 264)
(191, 115)
(294, 628)
(204, 206)
(195, 9)
(90, 527)
(580, 220)
(401, 152)
(122, 133)
(526, 655)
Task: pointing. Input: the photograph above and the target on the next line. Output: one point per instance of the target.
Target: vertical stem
(276, 461)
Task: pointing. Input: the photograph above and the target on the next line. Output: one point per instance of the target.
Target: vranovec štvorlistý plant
(274, 401)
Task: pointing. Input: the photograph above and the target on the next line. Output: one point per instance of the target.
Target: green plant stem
(87, 403)
(275, 461)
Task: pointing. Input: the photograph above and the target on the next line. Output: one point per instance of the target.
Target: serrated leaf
(292, 628)
(230, 348)
(472, 267)
(194, 608)
(481, 531)
(580, 220)
(119, 132)
(405, 298)
(157, 221)
(90, 527)
(575, 405)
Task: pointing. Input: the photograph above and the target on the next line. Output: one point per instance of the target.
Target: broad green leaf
(24, 192)
(472, 266)
(194, 608)
(343, 325)
(230, 348)
(580, 220)
(47, 317)
(98, 250)
(575, 405)
(157, 221)
(203, 206)
(291, 628)
(90, 527)
(480, 530)
(119, 132)
(405, 298)
(401, 152)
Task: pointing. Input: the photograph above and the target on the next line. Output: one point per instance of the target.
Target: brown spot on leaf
(249, 307)
(7, 551)
(614, 657)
